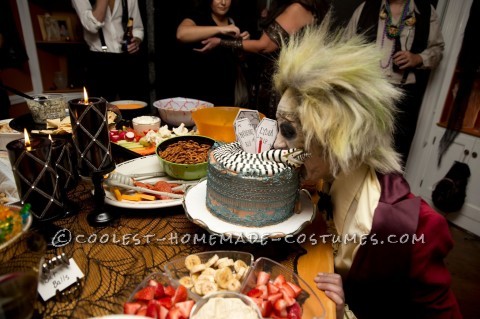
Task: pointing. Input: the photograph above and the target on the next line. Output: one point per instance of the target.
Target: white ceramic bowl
(145, 123)
(7, 137)
(178, 110)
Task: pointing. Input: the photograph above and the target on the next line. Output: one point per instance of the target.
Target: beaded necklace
(392, 31)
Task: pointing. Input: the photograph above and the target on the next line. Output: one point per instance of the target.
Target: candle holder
(92, 145)
(39, 182)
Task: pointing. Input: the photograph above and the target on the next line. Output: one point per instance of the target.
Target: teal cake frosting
(248, 199)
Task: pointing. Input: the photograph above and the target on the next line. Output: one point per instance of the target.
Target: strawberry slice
(263, 278)
(146, 293)
(185, 307)
(264, 290)
(266, 308)
(142, 311)
(169, 291)
(152, 311)
(130, 308)
(255, 293)
(294, 311)
(280, 308)
(174, 313)
(286, 289)
(162, 312)
(279, 281)
(180, 295)
(159, 292)
(272, 289)
(288, 299)
(165, 302)
(295, 288)
(274, 297)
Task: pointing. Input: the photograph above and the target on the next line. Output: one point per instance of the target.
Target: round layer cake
(253, 189)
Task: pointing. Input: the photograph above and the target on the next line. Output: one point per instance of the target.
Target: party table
(115, 259)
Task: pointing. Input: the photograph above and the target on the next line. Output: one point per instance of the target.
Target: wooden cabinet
(59, 45)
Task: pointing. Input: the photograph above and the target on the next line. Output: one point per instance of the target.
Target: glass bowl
(178, 110)
(157, 296)
(278, 275)
(225, 305)
(184, 171)
(185, 269)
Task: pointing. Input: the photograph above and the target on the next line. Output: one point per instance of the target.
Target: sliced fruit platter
(274, 291)
(145, 144)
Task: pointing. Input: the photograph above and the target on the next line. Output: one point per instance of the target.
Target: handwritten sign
(245, 135)
(266, 133)
(252, 115)
(59, 279)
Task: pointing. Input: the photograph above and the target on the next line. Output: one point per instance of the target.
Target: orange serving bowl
(217, 122)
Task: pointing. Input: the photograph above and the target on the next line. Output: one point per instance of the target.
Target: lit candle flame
(27, 140)
(85, 95)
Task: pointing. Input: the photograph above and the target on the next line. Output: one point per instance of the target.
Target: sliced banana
(226, 263)
(211, 261)
(223, 276)
(186, 281)
(220, 260)
(240, 273)
(197, 268)
(209, 287)
(197, 287)
(239, 264)
(207, 277)
(234, 285)
(192, 261)
(209, 271)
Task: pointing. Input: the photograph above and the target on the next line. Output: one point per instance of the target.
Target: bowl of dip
(225, 305)
(143, 124)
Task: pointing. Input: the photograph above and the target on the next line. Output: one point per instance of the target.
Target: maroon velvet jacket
(409, 280)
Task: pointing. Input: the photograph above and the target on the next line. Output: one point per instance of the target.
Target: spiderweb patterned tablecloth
(118, 257)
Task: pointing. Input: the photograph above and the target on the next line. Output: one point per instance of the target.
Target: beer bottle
(128, 35)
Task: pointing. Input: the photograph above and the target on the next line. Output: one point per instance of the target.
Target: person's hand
(134, 46)
(209, 44)
(407, 59)
(245, 35)
(230, 30)
(332, 285)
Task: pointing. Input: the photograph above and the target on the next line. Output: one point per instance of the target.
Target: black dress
(208, 76)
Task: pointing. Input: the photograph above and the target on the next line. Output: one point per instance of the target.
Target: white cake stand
(196, 210)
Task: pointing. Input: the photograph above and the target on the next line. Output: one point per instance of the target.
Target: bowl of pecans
(185, 157)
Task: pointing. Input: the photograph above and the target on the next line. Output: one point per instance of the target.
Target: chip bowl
(278, 275)
(178, 110)
(178, 269)
(184, 171)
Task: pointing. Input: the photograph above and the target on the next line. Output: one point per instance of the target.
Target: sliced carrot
(145, 196)
(133, 197)
(117, 193)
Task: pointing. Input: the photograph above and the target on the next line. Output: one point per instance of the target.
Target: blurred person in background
(283, 18)
(408, 34)
(115, 69)
(215, 75)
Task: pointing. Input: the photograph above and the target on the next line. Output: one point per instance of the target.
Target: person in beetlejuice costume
(337, 104)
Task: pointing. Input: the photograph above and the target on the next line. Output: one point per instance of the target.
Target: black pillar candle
(36, 178)
(90, 135)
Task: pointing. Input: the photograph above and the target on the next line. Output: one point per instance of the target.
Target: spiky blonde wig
(344, 102)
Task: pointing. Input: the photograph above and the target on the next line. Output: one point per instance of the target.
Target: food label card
(266, 134)
(59, 278)
(245, 134)
(252, 115)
